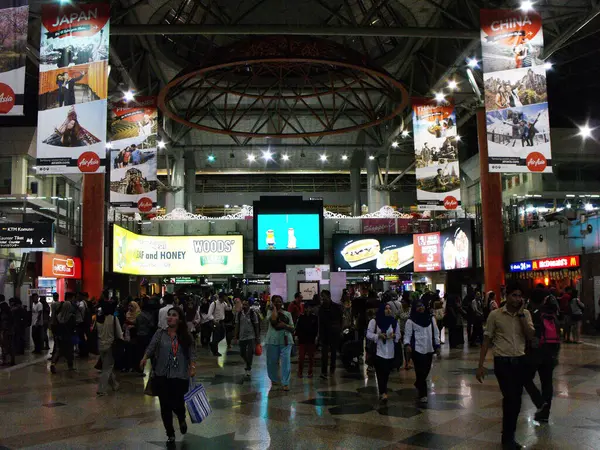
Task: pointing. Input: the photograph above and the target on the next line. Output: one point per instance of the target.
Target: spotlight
(285, 157)
(211, 158)
(251, 157)
(457, 138)
(267, 155)
(371, 157)
(440, 97)
(395, 144)
(323, 157)
(405, 134)
(526, 6)
(108, 145)
(128, 96)
(472, 63)
(161, 144)
(547, 65)
(585, 131)
(452, 85)
(344, 157)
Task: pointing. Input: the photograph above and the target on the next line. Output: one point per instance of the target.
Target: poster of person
(14, 16)
(516, 100)
(72, 113)
(436, 153)
(133, 176)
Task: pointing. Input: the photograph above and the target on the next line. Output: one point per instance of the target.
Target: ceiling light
(589, 207)
(439, 97)
(161, 144)
(323, 157)
(267, 155)
(568, 206)
(526, 6)
(395, 144)
(547, 65)
(371, 157)
(405, 134)
(226, 206)
(457, 138)
(251, 157)
(472, 63)
(285, 157)
(452, 85)
(211, 158)
(108, 145)
(344, 157)
(585, 131)
(128, 96)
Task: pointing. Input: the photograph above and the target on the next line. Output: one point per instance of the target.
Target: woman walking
(422, 339)
(279, 342)
(576, 315)
(384, 331)
(109, 330)
(403, 315)
(453, 321)
(172, 354)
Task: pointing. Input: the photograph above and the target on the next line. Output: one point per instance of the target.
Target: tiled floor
(38, 410)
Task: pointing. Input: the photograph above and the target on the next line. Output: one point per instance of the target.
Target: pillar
(93, 233)
(376, 199)
(355, 189)
(176, 199)
(491, 212)
(18, 181)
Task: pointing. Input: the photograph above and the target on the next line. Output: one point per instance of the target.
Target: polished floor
(43, 411)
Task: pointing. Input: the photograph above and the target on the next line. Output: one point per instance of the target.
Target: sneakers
(542, 414)
(423, 400)
(183, 426)
(170, 441)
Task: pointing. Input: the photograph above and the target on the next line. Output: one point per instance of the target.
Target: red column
(491, 212)
(93, 234)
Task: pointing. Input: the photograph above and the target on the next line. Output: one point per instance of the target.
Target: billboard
(372, 253)
(136, 254)
(61, 266)
(552, 263)
(448, 249)
(14, 17)
(516, 101)
(71, 135)
(436, 154)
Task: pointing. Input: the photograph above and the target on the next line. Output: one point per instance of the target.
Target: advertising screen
(427, 252)
(61, 266)
(448, 249)
(372, 253)
(136, 254)
(289, 232)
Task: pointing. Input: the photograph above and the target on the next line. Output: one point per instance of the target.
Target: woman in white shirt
(385, 332)
(422, 340)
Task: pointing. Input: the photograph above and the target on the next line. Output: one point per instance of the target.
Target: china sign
(61, 266)
(560, 262)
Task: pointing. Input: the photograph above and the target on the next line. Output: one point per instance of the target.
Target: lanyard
(174, 346)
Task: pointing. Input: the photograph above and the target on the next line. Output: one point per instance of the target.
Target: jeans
(303, 350)
(543, 361)
(247, 352)
(422, 367)
(510, 373)
(279, 355)
(328, 348)
(108, 375)
(38, 339)
(218, 334)
(383, 368)
(170, 395)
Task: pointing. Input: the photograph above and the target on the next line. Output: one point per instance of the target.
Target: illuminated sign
(560, 262)
(61, 266)
(523, 266)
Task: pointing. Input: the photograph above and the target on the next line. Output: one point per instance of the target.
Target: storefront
(554, 272)
(59, 273)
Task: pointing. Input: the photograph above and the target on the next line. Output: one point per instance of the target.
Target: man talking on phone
(508, 328)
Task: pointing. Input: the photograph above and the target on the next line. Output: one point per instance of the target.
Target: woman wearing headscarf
(453, 321)
(422, 340)
(130, 336)
(384, 331)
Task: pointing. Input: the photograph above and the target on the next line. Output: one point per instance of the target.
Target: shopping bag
(197, 403)
(258, 350)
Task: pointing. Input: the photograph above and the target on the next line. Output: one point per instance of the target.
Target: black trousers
(38, 339)
(218, 333)
(511, 373)
(422, 362)
(543, 361)
(170, 395)
(205, 333)
(383, 368)
(64, 340)
(328, 349)
(247, 352)
(82, 334)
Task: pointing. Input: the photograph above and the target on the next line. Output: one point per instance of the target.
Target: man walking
(65, 329)
(330, 332)
(247, 334)
(37, 321)
(217, 313)
(508, 328)
(168, 300)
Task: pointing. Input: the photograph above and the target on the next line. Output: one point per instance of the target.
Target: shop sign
(61, 266)
(390, 278)
(523, 266)
(560, 262)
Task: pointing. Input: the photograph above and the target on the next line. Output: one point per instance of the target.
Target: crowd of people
(385, 331)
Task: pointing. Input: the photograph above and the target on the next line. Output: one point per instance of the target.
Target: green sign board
(182, 280)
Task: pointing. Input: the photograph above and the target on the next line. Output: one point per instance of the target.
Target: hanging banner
(14, 16)
(436, 152)
(71, 135)
(133, 155)
(516, 102)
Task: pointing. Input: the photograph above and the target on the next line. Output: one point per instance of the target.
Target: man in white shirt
(36, 323)
(217, 313)
(168, 300)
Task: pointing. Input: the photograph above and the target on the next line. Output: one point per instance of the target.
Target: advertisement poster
(372, 253)
(289, 232)
(133, 155)
(61, 266)
(436, 153)
(448, 249)
(71, 135)
(516, 101)
(427, 252)
(14, 17)
(136, 254)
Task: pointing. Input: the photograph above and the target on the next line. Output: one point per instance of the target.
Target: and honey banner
(133, 155)
(14, 16)
(436, 153)
(73, 89)
(516, 101)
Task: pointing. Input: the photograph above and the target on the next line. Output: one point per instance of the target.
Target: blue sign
(523, 266)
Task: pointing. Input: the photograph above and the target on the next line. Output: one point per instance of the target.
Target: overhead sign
(560, 262)
(184, 280)
(257, 281)
(390, 278)
(523, 266)
(516, 101)
(61, 266)
(136, 254)
(27, 235)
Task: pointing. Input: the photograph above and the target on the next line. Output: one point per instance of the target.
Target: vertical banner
(516, 102)
(71, 135)
(14, 16)
(133, 155)
(436, 152)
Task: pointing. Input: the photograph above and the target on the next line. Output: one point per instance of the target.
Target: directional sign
(27, 235)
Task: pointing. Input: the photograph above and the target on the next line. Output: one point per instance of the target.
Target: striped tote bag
(197, 403)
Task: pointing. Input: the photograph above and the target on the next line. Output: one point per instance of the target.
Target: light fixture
(323, 157)
(371, 157)
(547, 65)
(128, 96)
(457, 138)
(405, 133)
(108, 145)
(344, 157)
(211, 158)
(472, 63)
(526, 6)
(570, 195)
(226, 206)
(588, 207)
(395, 144)
(285, 157)
(568, 205)
(251, 157)
(440, 97)
(452, 85)
(267, 155)
(161, 144)
(585, 131)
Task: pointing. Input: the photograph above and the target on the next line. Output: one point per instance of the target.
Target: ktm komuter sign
(27, 235)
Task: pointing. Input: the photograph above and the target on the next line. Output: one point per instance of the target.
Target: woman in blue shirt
(278, 343)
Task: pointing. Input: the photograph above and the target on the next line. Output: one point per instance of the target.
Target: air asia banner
(133, 178)
(436, 152)
(14, 16)
(516, 102)
(71, 135)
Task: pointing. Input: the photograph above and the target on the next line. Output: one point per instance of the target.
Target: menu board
(448, 249)
(372, 253)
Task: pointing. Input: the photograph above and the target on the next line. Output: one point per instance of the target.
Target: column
(93, 233)
(491, 212)
(18, 182)
(355, 189)
(376, 199)
(176, 199)
(190, 182)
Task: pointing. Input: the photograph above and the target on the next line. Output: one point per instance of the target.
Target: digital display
(559, 262)
(373, 253)
(288, 232)
(448, 249)
(427, 252)
(137, 254)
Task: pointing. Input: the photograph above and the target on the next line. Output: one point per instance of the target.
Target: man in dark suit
(68, 88)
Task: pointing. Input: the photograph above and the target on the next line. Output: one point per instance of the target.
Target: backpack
(546, 328)
(64, 314)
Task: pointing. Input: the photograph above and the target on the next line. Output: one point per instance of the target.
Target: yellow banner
(137, 254)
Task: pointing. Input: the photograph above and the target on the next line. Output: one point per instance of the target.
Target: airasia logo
(63, 267)
(144, 204)
(450, 202)
(7, 98)
(88, 162)
(536, 162)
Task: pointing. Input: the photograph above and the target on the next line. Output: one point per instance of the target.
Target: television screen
(448, 249)
(288, 232)
(373, 253)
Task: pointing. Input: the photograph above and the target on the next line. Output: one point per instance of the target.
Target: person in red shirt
(296, 308)
(565, 311)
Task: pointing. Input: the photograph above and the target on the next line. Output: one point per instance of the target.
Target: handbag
(258, 350)
(197, 403)
(150, 388)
